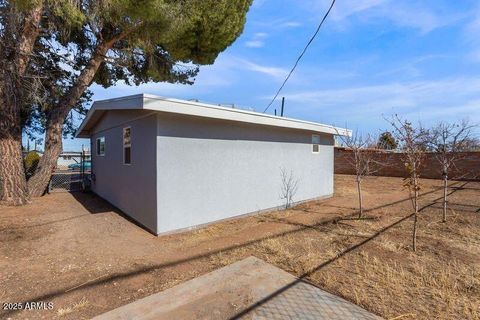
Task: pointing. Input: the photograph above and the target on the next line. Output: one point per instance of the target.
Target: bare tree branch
(289, 187)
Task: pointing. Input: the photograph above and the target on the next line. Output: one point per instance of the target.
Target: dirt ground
(80, 254)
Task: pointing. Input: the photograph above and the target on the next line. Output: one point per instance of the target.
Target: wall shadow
(93, 203)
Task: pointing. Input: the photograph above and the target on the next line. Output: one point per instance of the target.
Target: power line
(301, 55)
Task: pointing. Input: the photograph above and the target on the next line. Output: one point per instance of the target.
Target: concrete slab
(235, 291)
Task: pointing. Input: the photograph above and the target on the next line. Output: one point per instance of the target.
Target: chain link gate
(72, 172)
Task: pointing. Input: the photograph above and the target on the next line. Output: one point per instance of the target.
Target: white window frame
(129, 145)
(97, 146)
(315, 138)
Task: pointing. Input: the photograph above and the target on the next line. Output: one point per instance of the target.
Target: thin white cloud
(345, 9)
(474, 25)
(466, 110)
(258, 3)
(260, 35)
(412, 14)
(474, 55)
(471, 32)
(257, 41)
(254, 44)
(416, 16)
(226, 73)
(410, 68)
(458, 97)
(274, 72)
(289, 24)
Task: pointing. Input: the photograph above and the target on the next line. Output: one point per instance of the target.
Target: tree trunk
(27, 38)
(360, 200)
(445, 194)
(414, 243)
(16, 48)
(38, 183)
(13, 184)
(415, 216)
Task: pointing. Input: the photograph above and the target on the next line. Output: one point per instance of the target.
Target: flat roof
(197, 109)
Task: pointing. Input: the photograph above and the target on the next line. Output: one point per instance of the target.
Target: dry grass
(386, 286)
(441, 281)
(74, 307)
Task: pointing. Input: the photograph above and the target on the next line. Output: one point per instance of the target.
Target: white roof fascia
(197, 109)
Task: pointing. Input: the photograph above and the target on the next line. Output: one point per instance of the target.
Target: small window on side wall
(127, 146)
(315, 143)
(101, 146)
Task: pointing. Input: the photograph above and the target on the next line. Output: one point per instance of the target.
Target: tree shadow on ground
(457, 207)
(45, 223)
(92, 203)
(354, 216)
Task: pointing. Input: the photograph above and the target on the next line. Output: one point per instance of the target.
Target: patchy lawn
(81, 254)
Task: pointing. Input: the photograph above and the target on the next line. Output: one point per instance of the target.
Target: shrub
(31, 162)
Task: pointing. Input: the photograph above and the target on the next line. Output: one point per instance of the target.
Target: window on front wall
(315, 143)
(127, 145)
(101, 146)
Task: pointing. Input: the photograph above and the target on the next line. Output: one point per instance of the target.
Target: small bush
(31, 162)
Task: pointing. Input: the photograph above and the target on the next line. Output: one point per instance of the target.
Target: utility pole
(283, 105)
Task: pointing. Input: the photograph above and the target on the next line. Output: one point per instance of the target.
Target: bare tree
(362, 159)
(289, 187)
(411, 141)
(472, 144)
(447, 140)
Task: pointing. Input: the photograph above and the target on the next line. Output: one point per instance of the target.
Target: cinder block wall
(468, 168)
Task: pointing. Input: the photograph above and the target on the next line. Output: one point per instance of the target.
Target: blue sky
(420, 59)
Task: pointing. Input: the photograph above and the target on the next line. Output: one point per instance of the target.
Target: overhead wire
(301, 56)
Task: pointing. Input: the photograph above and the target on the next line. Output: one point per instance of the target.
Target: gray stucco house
(174, 164)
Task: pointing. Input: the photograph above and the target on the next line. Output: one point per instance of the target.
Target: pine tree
(52, 51)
